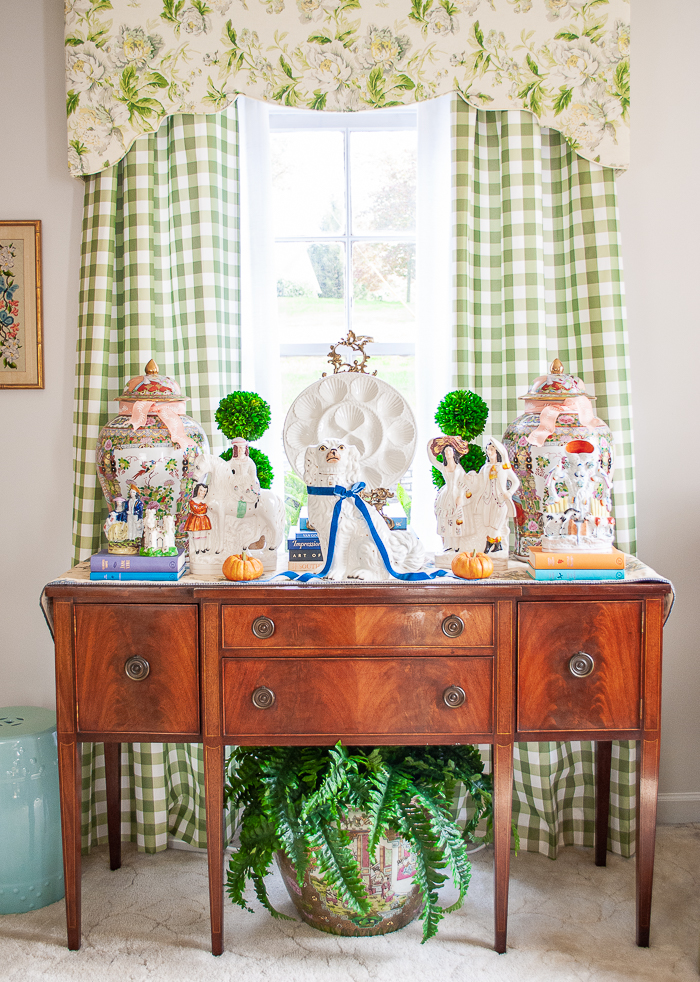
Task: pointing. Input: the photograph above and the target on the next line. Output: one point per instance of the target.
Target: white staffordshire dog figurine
(355, 555)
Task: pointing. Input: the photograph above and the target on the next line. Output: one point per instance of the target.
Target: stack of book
(576, 565)
(109, 566)
(304, 545)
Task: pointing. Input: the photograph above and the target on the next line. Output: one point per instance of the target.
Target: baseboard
(678, 808)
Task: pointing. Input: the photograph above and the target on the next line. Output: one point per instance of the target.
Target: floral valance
(131, 63)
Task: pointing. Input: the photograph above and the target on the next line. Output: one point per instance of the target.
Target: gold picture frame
(21, 341)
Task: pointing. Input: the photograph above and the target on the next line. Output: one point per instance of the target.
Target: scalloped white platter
(361, 410)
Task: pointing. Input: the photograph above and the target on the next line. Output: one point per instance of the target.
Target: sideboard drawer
(334, 626)
(159, 694)
(579, 665)
(371, 697)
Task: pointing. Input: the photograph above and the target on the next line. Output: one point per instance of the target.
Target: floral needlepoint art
(10, 339)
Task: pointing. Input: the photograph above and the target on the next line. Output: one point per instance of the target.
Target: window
(344, 223)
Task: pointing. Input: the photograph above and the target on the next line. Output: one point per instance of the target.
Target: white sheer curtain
(260, 351)
(433, 263)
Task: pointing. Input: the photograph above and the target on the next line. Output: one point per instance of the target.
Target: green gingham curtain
(538, 275)
(160, 278)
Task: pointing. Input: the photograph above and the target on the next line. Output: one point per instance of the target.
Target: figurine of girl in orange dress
(198, 522)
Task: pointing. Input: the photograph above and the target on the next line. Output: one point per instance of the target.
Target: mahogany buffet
(272, 664)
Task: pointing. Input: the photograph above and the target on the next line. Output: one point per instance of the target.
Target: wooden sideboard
(365, 664)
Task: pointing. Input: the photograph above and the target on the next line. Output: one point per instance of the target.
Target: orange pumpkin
(242, 567)
(472, 565)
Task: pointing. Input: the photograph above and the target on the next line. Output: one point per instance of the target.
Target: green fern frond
(383, 800)
(430, 863)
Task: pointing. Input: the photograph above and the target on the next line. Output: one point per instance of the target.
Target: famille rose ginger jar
(151, 445)
(557, 427)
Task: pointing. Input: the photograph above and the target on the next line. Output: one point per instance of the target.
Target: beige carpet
(568, 921)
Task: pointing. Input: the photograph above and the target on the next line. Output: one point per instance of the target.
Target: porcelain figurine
(455, 505)
(134, 514)
(242, 515)
(472, 509)
(198, 523)
(558, 417)
(498, 484)
(116, 530)
(153, 444)
(580, 520)
(355, 554)
(168, 546)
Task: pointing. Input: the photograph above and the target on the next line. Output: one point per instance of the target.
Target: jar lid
(151, 386)
(557, 385)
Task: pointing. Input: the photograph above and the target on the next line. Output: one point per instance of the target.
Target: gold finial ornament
(379, 497)
(355, 342)
(556, 368)
(151, 368)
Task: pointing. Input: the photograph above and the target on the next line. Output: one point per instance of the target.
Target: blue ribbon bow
(353, 493)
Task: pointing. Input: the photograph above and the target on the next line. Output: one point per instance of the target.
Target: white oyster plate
(360, 410)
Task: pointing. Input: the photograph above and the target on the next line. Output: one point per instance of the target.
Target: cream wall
(660, 212)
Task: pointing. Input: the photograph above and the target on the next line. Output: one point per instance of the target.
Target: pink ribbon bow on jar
(549, 413)
(169, 412)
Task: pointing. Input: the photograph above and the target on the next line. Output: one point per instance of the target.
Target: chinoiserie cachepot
(395, 900)
(151, 444)
(558, 422)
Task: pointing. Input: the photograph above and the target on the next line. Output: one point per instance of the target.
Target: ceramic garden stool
(31, 857)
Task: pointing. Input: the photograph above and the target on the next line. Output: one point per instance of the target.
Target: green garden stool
(31, 856)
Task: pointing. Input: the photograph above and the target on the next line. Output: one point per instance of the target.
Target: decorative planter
(394, 898)
(153, 445)
(558, 421)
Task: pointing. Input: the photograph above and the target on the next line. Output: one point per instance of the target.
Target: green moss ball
(462, 413)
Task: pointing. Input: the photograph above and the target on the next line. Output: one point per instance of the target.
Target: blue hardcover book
(304, 543)
(302, 534)
(576, 574)
(305, 555)
(400, 521)
(133, 574)
(103, 562)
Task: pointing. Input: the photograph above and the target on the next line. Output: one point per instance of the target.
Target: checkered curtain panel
(538, 275)
(159, 279)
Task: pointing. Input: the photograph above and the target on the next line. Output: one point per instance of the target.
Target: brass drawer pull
(263, 698)
(581, 664)
(454, 696)
(263, 627)
(137, 668)
(452, 626)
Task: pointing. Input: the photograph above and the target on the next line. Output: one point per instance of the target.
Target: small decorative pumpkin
(242, 567)
(472, 565)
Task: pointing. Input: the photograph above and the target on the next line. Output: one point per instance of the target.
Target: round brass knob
(581, 664)
(137, 668)
(452, 626)
(263, 627)
(263, 698)
(454, 696)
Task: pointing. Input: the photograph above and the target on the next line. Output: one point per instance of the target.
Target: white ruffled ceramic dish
(360, 410)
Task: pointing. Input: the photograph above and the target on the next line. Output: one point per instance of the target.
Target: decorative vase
(152, 446)
(395, 900)
(558, 421)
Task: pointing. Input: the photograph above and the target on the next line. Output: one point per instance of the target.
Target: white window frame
(284, 119)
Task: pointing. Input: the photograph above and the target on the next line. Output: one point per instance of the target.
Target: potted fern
(332, 814)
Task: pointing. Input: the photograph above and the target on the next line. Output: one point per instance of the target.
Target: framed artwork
(21, 345)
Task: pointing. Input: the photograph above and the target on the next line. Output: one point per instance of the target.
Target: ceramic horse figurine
(240, 511)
